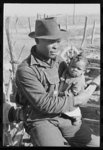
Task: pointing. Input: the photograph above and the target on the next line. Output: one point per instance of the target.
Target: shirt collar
(33, 60)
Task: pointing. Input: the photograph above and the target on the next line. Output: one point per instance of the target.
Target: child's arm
(76, 88)
(78, 85)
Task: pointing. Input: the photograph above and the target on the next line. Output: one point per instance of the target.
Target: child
(73, 80)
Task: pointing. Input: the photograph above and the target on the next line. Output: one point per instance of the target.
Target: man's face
(48, 48)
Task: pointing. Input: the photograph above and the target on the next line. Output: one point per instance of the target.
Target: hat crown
(46, 27)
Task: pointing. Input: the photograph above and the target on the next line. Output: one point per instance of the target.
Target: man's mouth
(53, 53)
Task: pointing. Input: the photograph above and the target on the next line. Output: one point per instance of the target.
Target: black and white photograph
(51, 75)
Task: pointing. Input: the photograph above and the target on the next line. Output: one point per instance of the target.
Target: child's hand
(87, 83)
(96, 80)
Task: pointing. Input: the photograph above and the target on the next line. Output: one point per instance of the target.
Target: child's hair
(80, 57)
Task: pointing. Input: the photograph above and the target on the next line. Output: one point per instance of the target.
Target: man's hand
(83, 97)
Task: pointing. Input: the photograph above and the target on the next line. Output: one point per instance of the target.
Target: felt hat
(48, 29)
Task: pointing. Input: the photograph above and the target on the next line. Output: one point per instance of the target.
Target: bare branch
(29, 24)
(7, 23)
(21, 52)
(92, 37)
(84, 34)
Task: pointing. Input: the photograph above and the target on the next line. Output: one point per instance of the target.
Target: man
(42, 110)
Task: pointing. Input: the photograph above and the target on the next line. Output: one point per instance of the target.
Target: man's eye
(58, 41)
(54, 41)
(73, 67)
(50, 41)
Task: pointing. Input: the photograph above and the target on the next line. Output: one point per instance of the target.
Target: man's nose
(55, 46)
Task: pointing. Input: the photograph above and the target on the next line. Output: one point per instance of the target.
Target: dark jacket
(33, 78)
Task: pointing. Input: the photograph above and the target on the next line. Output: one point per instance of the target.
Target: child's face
(76, 68)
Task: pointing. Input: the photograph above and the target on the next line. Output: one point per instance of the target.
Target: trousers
(59, 132)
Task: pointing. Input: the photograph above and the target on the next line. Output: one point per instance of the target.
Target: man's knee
(46, 134)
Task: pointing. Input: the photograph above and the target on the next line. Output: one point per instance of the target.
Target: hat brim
(62, 34)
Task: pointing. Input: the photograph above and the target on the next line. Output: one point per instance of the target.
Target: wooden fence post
(9, 88)
(16, 24)
(44, 16)
(59, 26)
(74, 14)
(66, 22)
(12, 72)
(20, 53)
(7, 23)
(29, 24)
(84, 34)
(92, 37)
(37, 16)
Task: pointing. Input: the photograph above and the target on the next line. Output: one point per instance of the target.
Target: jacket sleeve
(34, 91)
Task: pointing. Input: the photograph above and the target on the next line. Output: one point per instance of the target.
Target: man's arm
(85, 95)
(34, 91)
